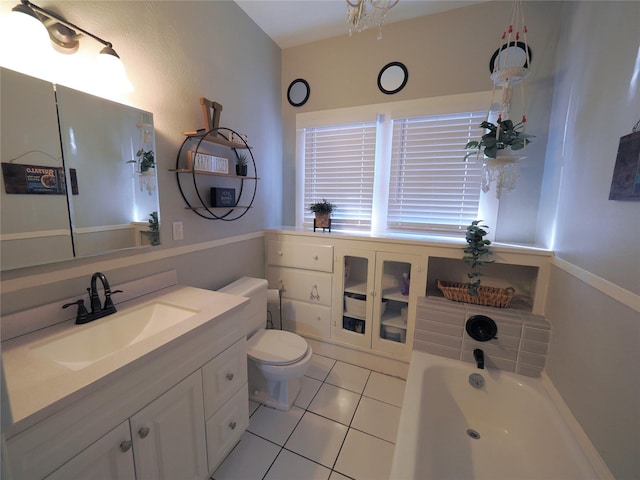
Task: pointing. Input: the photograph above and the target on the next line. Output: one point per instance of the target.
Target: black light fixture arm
(49, 14)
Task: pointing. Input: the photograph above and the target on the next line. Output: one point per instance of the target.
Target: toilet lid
(277, 347)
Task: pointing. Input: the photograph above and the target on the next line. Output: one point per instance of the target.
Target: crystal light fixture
(362, 14)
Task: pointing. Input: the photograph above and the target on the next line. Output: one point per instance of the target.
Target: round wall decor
(298, 92)
(392, 78)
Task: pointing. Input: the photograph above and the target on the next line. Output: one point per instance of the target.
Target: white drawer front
(308, 256)
(226, 426)
(224, 376)
(302, 285)
(305, 318)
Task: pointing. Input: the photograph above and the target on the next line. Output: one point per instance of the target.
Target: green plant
(504, 134)
(476, 254)
(146, 160)
(322, 208)
(241, 159)
(154, 229)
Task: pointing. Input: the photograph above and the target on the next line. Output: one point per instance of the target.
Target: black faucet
(478, 355)
(97, 310)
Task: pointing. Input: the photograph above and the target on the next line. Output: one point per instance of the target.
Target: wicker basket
(489, 296)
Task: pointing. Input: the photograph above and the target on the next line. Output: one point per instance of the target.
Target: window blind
(339, 164)
(431, 188)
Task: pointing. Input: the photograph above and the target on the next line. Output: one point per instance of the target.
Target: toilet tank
(255, 289)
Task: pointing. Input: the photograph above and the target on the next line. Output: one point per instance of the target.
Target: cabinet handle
(229, 376)
(232, 425)
(125, 446)
(314, 295)
(143, 432)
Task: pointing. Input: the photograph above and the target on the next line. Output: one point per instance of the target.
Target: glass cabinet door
(397, 299)
(352, 321)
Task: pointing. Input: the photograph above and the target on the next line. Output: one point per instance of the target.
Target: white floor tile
(317, 438)
(385, 388)
(289, 466)
(253, 406)
(364, 457)
(377, 418)
(237, 467)
(348, 376)
(338, 476)
(319, 367)
(335, 403)
(274, 425)
(310, 387)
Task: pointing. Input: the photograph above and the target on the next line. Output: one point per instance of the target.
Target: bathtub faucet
(478, 355)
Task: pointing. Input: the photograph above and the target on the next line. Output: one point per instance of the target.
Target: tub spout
(478, 355)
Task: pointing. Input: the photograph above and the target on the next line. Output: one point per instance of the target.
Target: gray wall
(446, 54)
(594, 353)
(176, 52)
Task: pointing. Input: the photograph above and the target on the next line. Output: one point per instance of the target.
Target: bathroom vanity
(169, 402)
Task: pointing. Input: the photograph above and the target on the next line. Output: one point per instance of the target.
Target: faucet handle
(83, 314)
(108, 303)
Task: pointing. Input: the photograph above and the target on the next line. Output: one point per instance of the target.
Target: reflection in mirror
(109, 174)
(34, 226)
(298, 92)
(393, 78)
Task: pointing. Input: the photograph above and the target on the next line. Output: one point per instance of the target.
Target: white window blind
(339, 164)
(431, 188)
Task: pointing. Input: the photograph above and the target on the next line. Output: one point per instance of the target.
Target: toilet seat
(277, 347)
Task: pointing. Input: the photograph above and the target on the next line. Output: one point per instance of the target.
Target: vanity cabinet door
(169, 434)
(108, 458)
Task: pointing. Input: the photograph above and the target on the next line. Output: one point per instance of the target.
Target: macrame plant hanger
(509, 68)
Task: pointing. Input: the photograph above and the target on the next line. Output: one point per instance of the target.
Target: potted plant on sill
(322, 211)
(501, 140)
(241, 164)
(476, 254)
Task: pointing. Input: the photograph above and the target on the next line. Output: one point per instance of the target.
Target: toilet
(276, 360)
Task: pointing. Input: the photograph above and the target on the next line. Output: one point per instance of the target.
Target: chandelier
(362, 14)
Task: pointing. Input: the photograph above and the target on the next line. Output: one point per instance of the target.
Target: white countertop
(38, 386)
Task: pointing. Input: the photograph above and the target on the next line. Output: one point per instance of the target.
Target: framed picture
(625, 184)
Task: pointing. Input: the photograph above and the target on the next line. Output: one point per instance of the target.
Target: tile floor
(343, 425)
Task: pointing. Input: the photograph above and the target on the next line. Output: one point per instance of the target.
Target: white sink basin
(103, 337)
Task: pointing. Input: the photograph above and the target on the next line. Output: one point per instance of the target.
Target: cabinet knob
(229, 376)
(125, 446)
(143, 432)
(315, 257)
(232, 425)
(280, 253)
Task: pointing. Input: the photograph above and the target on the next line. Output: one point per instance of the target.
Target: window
(394, 168)
(339, 164)
(430, 188)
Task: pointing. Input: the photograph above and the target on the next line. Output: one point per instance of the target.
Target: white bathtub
(523, 434)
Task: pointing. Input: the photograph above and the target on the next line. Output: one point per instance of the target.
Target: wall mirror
(103, 190)
(392, 78)
(512, 54)
(298, 92)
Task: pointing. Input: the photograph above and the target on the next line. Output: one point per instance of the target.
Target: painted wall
(176, 52)
(445, 54)
(593, 301)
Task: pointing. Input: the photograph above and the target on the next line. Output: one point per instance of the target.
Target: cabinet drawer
(301, 285)
(226, 426)
(307, 319)
(307, 256)
(224, 376)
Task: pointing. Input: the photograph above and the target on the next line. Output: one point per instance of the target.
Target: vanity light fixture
(362, 14)
(64, 37)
